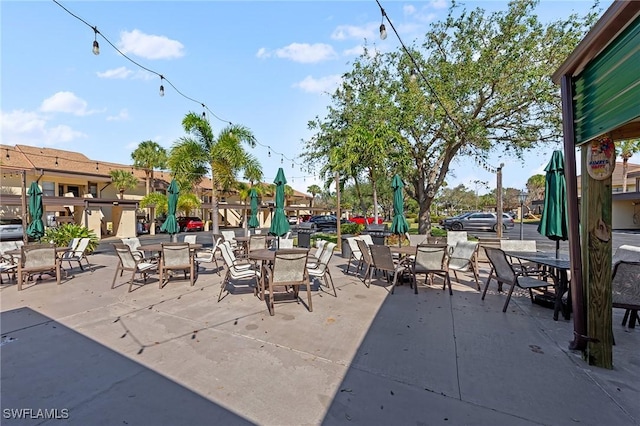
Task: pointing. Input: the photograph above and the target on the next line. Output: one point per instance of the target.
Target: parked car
(11, 229)
(365, 220)
(305, 218)
(293, 220)
(190, 223)
(325, 222)
(446, 222)
(480, 221)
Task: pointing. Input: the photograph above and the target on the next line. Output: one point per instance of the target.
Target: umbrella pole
(557, 249)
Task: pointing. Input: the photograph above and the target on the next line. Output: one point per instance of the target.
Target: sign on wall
(601, 158)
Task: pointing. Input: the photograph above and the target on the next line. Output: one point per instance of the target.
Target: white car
(293, 220)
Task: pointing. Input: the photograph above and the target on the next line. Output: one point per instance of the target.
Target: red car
(190, 224)
(361, 220)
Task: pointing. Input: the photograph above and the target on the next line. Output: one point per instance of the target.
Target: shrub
(438, 232)
(63, 234)
(351, 228)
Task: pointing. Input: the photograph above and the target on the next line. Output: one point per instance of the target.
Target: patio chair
(366, 260)
(366, 238)
(289, 269)
(355, 254)
(416, 239)
(464, 259)
(316, 255)
(40, 258)
(128, 262)
(7, 267)
(134, 244)
(383, 261)
(520, 246)
(237, 269)
(504, 273)
(208, 255)
(257, 242)
(285, 243)
(320, 269)
(430, 260)
(625, 287)
(176, 257)
(190, 239)
(230, 236)
(77, 254)
(453, 237)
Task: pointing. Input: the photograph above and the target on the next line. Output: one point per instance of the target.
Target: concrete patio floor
(91, 355)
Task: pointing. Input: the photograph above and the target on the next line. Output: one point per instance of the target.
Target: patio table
(559, 266)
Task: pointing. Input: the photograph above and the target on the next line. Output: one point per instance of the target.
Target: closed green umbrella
(279, 222)
(554, 220)
(170, 225)
(399, 224)
(36, 227)
(253, 220)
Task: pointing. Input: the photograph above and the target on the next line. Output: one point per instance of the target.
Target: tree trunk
(625, 170)
(374, 189)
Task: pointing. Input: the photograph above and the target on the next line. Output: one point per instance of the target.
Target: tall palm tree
(314, 190)
(626, 149)
(123, 180)
(147, 156)
(224, 155)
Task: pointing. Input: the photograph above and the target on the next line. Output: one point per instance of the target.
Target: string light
(268, 153)
(383, 29)
(97, 165)
(56, 161)
(96, 46)
(282, 159)
(7, 156)
(161, 86)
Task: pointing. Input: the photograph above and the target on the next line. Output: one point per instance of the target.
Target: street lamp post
(522, 197)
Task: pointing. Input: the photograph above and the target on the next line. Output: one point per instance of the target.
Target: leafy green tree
(313, 190)
(535, 187)
(625, 150)
(223, 155)
(188, 202)
(486, 88)
(147, 156)
(123, 180)
(157, 200)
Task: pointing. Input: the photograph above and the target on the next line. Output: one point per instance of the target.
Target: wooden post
(338, 214)
(499, 201)
(596, 255)
(25, 237)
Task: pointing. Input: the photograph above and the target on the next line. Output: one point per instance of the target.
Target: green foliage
(123, 180)
(351, 228)
(63, 234)
(438, 232)
(157, 199)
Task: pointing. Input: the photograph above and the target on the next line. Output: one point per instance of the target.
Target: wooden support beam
(596, 255)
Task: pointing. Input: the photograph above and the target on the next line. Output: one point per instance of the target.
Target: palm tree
(223, 155)
(626, 149)
(313, 190)
(147, 156)
(123, 180)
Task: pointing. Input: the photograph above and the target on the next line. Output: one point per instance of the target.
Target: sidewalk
(178, 357)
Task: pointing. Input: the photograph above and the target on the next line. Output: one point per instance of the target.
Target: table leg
(562, 286)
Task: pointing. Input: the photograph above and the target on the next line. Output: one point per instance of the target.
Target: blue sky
(265, 64)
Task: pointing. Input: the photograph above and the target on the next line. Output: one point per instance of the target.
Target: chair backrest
(73, 244)
(257, 231)
(367, 239)
(285, 243)
(364, 249)
(381, 256)
(353, 245)
(34, 256)
(257, 242)
(429, 257)
(126, 257)
(190, 239)
(227, 254)
(416, 239)
(625, 285)
(229, 236)
(453, 237)
(133, 242)
(7, 246)
(287, 235)
(501, 266)
(627, 253)
(519, 245)
(462, 254)
(175, 254)
(320, 247)
(289, 266)
(81, 247)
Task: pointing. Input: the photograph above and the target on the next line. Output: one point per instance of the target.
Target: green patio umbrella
(170, 225)
(279, 223)
(253, 220)
(554, 220)
(399, 224)
(36, 228)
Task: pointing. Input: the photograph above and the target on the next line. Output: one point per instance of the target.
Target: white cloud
(149, 46)
(301, 52)
(409, 9)
(354, 51)
(66, 102)
(121, 72)
(30, 128)
(123, 115)
(322, 85)
(344, 32)
(439, 4)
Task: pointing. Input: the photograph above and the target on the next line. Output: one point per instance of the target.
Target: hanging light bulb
(96, 165)
(414, 75)
(96, 46)
(204, 115)
(161, 86)
(56, 161)
(282, 159)
(7, 156)
(293, 165)
(268, 153)
(383, 32)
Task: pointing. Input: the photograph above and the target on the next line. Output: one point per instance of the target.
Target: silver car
(11, 229)
(481, 222)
